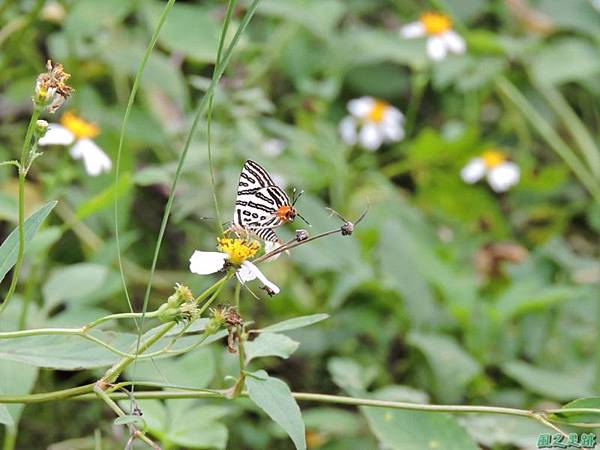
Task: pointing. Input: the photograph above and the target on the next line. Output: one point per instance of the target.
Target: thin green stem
(545, 130)
(10, 437)
(132, 95)
(230, 8)
(577, 130)
(219, 70)
(419, 82)
(113, 373)
(22, 174)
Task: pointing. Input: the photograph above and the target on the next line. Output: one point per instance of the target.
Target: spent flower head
(51, 88)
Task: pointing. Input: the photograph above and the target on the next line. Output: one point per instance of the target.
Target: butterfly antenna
(295, 197)
(307, 222)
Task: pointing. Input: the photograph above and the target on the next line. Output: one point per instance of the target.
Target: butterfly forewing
(258, 199)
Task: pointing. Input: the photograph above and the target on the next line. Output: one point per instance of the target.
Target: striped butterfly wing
(258, 198)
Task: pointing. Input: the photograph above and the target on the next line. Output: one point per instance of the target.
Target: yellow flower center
(239, 250)
(493, 158)
(436, 23)
(79, 127)
(377, 111)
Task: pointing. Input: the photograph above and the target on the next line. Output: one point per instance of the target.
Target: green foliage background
(421, 306)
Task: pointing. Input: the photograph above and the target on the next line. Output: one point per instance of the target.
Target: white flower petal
(248, 272)
(454, 42)
(393, 114)
(204, 263)
(273, 147)
(412, 30)
(360, 107)
(473, 171)
(57, 135)
(347, 129)
(393, 132)
(436, 48)
(94, 158)
(269, 247)
(504, 176)
(370, 136)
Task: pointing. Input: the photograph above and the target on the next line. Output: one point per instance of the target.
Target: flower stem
(22, 174)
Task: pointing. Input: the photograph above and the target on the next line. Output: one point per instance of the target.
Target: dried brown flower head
(51, 89)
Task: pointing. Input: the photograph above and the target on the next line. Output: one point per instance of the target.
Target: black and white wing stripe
(258, 198)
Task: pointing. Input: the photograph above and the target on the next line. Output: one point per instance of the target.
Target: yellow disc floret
(239, 250)
(377, 111)
(79, 127)
(436, 23)
(493, 158)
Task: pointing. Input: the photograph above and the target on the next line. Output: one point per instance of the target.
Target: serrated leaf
(274, 397)
(296, 322)
(10, 247)
(270, 344)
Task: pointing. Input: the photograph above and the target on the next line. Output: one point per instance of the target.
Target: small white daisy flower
(441, 38)
(500, 173)
(234, 252)
(273, 147)
(371, 123)
(77, 132)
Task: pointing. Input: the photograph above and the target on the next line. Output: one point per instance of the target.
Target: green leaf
(565, 60)
(270, 344)
(16, 379)
(350, 376)
(87, 17)
(523, 298)
(400, 430)
(588, 402)
(77, 283)
(494, 431)
(64, 352)
(318, 16)
(138, 421)
(554, 384)
(274, 397)
(296, 322)
(452, 366)
(190, 30)
(10, 247)
(195, 369)
(5, 417)
(105, 198)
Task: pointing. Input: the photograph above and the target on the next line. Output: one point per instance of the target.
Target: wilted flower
(234, 252)
(501, 174)
(371, 123)
(51, 89)
(441, 38)
(79, 132)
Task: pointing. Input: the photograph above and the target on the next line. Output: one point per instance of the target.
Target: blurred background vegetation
(447, 292)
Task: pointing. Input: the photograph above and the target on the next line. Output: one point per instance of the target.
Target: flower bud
(41, 126)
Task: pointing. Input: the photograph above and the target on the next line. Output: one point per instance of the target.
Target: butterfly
(261, 205)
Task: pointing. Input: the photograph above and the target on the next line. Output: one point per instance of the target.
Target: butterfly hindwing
(258, 199)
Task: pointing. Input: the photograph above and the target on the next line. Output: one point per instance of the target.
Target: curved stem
(22, 174)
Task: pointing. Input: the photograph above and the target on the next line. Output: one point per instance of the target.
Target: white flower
(273, 147)
(441, 38)
(78, 133)
(371, 123)
(500, 173)
(235, 252)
